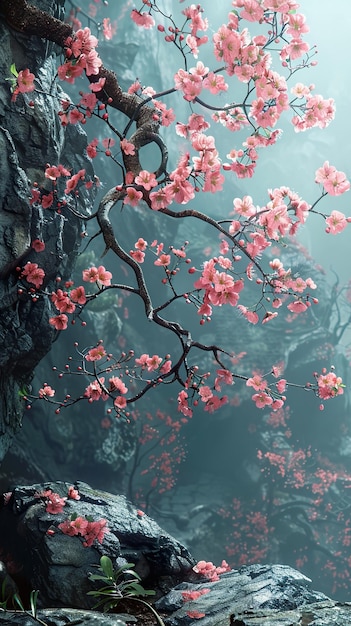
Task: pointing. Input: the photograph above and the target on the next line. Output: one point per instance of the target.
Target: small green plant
(120, 584)
(17, 604)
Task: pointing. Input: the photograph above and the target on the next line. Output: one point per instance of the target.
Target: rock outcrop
(30, 137)
(38, 555)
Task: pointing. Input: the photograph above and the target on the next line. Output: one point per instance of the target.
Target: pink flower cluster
(188, 596)
(97, 390)
(179, 190)
(33, 274)
(263, 397)
(197, 22)
(334, 182)
(25, 83)
(220, 287)
(80, 55)
(142, 19)
(153, 363)
(87, 529)
(210, 571)
(98, 275)
(315, 112)
(183, 404)
(329, 385)
(191, 83)
(64, 303)
(54, 502)
(74, 525)
(95, 354)
(212, 401)
(46, 391)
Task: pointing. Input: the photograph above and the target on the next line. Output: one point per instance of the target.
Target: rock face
(251, 590)
(39, 556)
(30, 137)
(58, 564)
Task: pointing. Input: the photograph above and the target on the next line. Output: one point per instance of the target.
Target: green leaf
(13, 70)
(107, 567)
(33, 602)
(99, 577)
(18, 601)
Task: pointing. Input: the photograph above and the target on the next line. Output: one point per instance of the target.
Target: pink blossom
(336, 222)
(25, 81)
(94, 391)
(127, 147)
(223, 376)
(142, 19)
(75, 527)
(73, 493)
(214, 83)
(54, 503)
(213, 180)
(297, 24)
(91, 148)
(62, 302)
(336, 184)
(108, 29)
(141, 244)
(244, 206)
(81, 42)
(132, 196)
(251, 316)
(214, 403)
(190, 83)
(205, 393)
(160, 199)
(59, 321)
(72, 182)
(46, 392)
(142, 360)
(329, 385)
(183, 404)
(89, 101)
(252, 11)
(137, 255)
(95, 354)
(298, 306)
(99, 275)
(75, 116)
(153, 363)
(324, 173)
(98, 85)
(33, 274)
(108, 142)
(257, 382)
(262, 399)
(146, 179)
(38, 245)
(78, 295)
(69, 72)
(120, 402)
(116, 384)
(281, 385)
(166, 367)
(95, 530)
(210, 571)
(295, 49)
(163, 260)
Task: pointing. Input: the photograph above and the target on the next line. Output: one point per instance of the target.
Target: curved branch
(30, 20)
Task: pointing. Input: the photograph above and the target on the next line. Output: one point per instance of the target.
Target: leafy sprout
(120, 584)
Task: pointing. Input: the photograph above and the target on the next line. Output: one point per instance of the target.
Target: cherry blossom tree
(256, 52)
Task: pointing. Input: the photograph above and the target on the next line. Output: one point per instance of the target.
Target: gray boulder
(58, 564)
